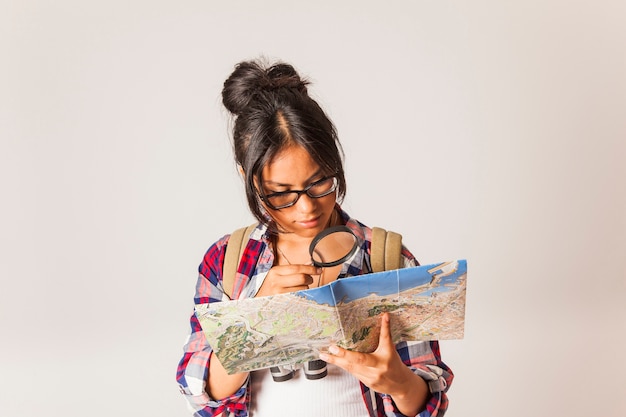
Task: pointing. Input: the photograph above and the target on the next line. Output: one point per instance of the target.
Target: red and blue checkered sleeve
(424, 359)
(193, 367)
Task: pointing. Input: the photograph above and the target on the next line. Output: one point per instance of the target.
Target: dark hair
(273, 110)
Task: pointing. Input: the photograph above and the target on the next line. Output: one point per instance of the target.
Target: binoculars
(312, 370)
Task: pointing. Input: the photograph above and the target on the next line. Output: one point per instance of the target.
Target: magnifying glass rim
(321, 235)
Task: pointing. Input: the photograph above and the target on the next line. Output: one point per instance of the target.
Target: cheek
(330, 199)
(279, 216)
(326, 204)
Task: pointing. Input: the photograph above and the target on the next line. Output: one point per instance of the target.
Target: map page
(424, 302)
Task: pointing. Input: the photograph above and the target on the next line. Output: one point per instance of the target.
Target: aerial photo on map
(425, 303)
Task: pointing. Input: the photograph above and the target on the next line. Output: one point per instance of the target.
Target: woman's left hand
(383, 371)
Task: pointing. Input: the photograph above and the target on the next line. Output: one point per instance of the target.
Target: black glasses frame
(265, 198)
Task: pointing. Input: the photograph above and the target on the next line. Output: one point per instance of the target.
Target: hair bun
(284, 75)
(250, 78)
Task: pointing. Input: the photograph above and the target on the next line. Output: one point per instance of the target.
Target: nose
(306, 204)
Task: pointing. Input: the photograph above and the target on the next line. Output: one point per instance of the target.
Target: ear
(241, 171)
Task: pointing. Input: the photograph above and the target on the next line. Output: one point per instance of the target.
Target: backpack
(386, 253)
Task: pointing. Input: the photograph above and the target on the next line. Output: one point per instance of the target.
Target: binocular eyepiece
(312, 370)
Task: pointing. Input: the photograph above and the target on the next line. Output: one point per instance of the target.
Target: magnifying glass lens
(333, 246)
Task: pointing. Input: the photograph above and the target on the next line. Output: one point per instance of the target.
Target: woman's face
(294, 169)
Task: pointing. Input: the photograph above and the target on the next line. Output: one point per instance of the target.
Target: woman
(291, 160)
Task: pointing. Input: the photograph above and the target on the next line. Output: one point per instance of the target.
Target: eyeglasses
(284, 199)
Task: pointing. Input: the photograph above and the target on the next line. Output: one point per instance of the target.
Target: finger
(347, 359)
(283, 290)
(284, 279)
(385, 340)
(292, 276)
(301, 280)
(333, 355)
(299, 269)
(309, 269)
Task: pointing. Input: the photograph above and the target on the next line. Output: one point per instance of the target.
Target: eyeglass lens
(317, 189)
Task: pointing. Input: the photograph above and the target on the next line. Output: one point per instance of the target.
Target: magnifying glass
(333, 246)
(330, 247)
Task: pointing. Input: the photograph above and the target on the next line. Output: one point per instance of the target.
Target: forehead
(292, 165)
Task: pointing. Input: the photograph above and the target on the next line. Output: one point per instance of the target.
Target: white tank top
(338, 395)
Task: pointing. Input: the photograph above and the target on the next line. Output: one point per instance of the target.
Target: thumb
(385, 342)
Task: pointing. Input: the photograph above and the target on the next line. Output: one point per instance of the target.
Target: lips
(310, 223)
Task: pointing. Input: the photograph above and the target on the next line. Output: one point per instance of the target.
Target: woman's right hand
(288, 278)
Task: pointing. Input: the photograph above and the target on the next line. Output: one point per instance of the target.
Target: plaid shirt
(423, 358)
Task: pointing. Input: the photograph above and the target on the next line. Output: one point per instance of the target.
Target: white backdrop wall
(488, 130)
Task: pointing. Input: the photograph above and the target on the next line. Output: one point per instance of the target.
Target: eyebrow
(279, 184)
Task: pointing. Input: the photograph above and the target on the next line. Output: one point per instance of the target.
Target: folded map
(425, 303)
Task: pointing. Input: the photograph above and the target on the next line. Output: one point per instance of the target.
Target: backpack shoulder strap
(234, 249)
(386, 250)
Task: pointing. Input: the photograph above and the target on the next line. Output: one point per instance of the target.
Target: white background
(488, 130)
